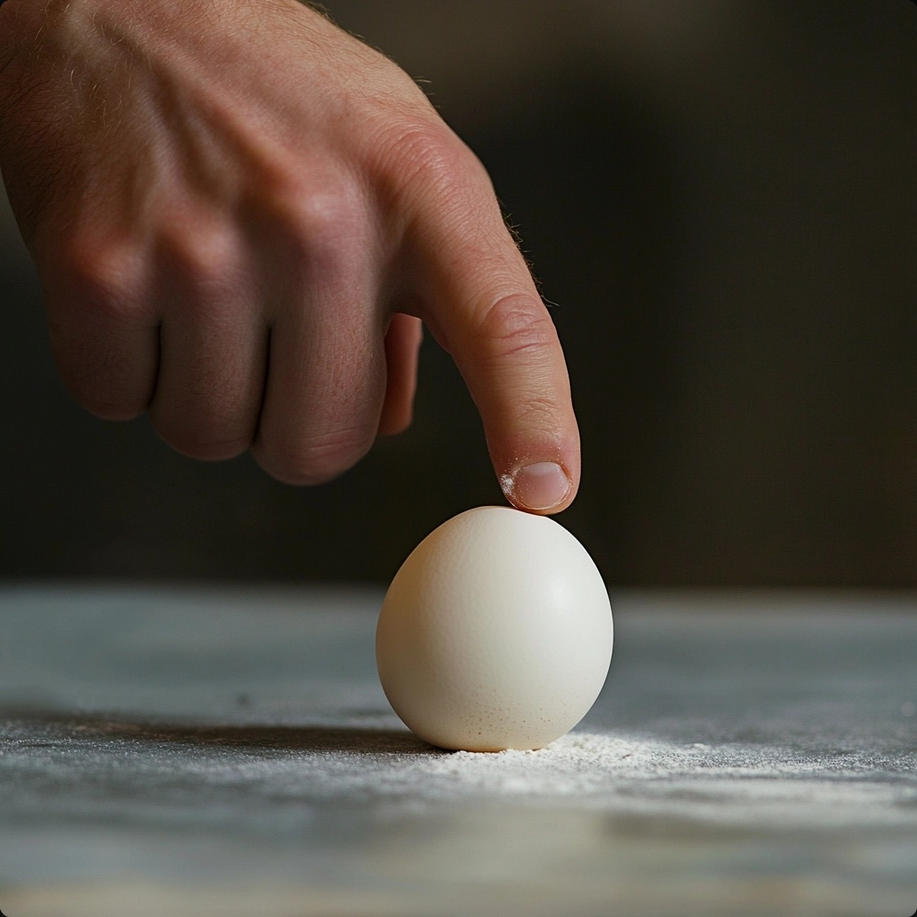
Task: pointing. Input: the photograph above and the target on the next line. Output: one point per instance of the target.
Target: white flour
(730, 783)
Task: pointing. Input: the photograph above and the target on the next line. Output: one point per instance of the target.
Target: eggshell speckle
(496, 633)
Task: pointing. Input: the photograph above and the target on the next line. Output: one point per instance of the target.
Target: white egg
(495, 633)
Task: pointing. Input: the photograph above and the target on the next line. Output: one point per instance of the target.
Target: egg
(496, 633)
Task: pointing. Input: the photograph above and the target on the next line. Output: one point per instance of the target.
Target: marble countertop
(229, 751)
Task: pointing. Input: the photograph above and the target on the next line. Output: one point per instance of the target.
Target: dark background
(720, 195)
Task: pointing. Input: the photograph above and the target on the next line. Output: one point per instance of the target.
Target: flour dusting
(728, 783)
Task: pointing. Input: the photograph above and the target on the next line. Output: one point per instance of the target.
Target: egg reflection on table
(496, 633)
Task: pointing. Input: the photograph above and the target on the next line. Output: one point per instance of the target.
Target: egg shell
(496, 633)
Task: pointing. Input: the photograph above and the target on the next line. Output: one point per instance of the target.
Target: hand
(241, 215)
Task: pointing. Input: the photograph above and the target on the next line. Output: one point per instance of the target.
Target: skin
(241, 218)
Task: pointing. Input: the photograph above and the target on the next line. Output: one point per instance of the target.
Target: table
(219, 750)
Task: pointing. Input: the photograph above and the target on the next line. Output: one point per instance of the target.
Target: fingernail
(541, 485)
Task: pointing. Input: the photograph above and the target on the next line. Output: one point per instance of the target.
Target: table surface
(205, 751)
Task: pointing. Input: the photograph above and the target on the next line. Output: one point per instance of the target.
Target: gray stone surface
(226, 751)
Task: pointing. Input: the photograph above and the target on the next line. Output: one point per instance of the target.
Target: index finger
(482, 305)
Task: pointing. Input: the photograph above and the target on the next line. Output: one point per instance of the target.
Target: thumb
(483, 307)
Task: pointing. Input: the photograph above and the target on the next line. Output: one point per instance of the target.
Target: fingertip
(539, 487)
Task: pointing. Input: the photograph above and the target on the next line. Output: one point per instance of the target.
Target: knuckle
(431, 158)
(315, 460)
(93, 293)
(319, 215)
(102, 278)
(516, 326)
(205, 257)
(537, 412)
(433, 150)
(426, 150)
